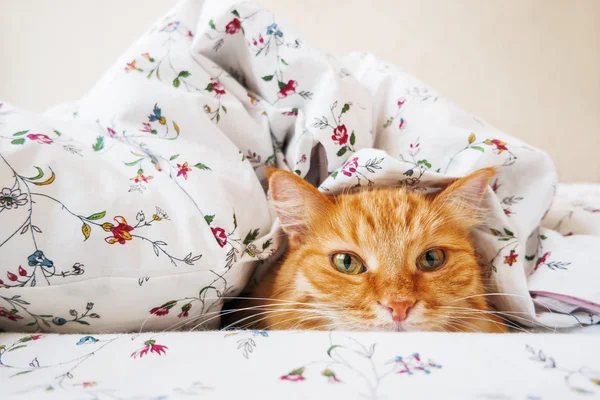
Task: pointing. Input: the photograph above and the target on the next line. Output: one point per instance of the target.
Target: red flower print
(183, 170)
(233, 27)
(40, 138)
(495, 186)
(159, 311)
(293, 112)
(22, 271)
(294, 376)
(542, 260)
(11, 276)
(7, 314)
(164, 309)
(287, 89)
(500, 146)
(185, 311)
(150, 346)
(120, 232)
(216, 87)
(220, 235)
(511, 258)
(340, 135)
(402, 124)
(140, 178)
(349, 168)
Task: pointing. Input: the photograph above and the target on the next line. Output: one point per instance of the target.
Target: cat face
(380, 259)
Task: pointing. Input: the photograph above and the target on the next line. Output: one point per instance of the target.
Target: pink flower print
(402, 124)
(220, 235)
(293, 112)
(40, 138)
(498, 144)
(183, 169)
(150, 346)
(511, 258)
(349, 168)
(294, 376)
(164, 309)
(217, 88)
(233, 27)
(185, 311)
(330, 375)
(287, 89)
(340, 135)
(542, 260)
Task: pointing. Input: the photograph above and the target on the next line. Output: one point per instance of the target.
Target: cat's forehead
(386, 206)
(386, 223)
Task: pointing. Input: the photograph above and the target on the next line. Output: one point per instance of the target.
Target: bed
(302, 365)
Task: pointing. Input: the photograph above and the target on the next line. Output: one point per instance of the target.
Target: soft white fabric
(139, 206)
(299, 365)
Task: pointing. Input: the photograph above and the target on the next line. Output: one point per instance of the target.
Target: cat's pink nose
(399, 308)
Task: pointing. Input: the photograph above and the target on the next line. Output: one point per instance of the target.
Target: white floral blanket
(299, 365)
(141, 205)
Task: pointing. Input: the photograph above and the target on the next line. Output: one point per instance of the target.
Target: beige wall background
(530, 67)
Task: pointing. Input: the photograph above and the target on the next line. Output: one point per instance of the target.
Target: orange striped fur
(388, 228)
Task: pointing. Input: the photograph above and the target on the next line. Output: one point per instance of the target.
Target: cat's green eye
(431, 260)
(347, 263)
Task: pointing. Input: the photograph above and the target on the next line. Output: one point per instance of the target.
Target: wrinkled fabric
(142, 205)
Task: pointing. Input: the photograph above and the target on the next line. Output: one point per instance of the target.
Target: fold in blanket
(141, 206)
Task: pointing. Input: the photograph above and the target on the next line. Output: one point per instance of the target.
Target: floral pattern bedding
(299, 365)
(142, 205)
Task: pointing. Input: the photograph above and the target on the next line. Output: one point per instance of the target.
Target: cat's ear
(296, 202)
(467, 193)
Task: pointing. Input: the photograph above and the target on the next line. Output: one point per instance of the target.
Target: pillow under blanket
(140, 206)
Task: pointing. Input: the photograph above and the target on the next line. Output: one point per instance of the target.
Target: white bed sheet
(300, 365)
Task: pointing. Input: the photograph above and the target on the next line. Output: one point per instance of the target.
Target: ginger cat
(386, 259)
